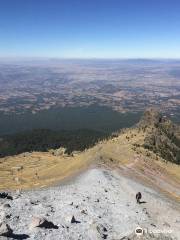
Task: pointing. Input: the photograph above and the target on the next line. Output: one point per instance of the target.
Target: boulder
(5, 230)
(17, 168)
(42, 223)
(5, 195)
(59, 152)
(102, 230)
(26, 154)
(73, 220)
(6, 205)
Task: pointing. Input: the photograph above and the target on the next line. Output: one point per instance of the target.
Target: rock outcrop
(42, 223)
(162, 135)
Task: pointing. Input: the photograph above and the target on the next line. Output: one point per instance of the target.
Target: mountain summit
(151, 117)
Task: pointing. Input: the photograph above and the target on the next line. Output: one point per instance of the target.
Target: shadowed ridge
(162, 135)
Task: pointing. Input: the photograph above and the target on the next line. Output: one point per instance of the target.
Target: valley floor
(103, 203)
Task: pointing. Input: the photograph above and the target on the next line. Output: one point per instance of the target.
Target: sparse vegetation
(163, 137)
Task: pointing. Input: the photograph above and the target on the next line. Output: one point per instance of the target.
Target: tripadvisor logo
(139, 231)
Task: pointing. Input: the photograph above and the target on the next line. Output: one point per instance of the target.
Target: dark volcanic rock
(73, 220)
(42, 223)
(6, 195)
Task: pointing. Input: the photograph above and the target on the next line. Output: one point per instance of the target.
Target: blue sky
(90, 28)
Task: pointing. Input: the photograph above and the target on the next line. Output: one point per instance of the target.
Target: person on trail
(138, 197)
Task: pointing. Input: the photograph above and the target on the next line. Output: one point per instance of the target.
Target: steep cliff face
(163, 136)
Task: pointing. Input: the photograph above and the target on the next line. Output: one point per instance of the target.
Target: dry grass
(40, 169)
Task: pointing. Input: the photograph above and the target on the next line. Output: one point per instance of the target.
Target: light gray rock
(5, 206)
(36, 222)
(147, 236)
(102, 230)
(44, 210)
(59, 152)
(5, 230)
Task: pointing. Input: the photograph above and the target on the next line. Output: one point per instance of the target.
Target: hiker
(138, 197)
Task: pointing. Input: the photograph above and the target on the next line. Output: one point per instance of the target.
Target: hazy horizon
(88, 58)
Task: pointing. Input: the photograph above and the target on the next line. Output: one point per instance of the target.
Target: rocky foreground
(99, 204)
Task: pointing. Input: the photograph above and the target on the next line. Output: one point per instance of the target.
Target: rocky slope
(99, 204)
